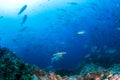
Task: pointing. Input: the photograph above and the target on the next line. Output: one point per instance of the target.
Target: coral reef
(90, 68)
(106, 60)
(95, 72)
(12, 68)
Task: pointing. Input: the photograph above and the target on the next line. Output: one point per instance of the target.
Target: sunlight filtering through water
(10, 7)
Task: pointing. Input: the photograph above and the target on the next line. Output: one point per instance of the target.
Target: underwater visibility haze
(60, 34)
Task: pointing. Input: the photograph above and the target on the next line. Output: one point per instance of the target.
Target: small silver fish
(22, 9)
(24, 20)
(81, 32)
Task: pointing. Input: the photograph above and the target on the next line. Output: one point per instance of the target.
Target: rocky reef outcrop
(12, 68)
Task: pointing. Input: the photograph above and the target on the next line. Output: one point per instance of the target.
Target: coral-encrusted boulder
(12, 68)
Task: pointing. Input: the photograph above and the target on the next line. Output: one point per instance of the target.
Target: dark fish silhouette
(24, 20)
(22, 9)
(1, 17)
(73, 3)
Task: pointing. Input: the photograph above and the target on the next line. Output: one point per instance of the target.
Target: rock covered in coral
(95, 72)
(90, 68)
(106, 60)
(115, 68)
(12, 68)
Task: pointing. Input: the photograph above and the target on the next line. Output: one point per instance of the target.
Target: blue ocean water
(77, 27)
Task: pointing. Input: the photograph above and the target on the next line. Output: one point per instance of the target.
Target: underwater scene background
(61, 34)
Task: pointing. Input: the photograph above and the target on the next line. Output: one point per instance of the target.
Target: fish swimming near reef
(57, 56)
(22, 9)
(24, 20)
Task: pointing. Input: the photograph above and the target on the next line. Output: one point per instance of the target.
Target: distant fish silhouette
(73, 3)
(24, 20)
(1, 17)
(22, 9)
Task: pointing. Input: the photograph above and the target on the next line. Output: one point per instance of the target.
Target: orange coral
(97, 78)
(115, 77)
(52, 76)
(39, 73)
